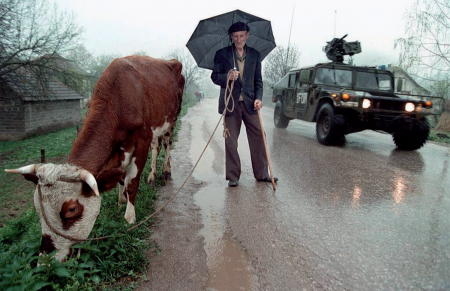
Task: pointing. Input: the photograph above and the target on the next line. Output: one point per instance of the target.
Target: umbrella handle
(234, 61)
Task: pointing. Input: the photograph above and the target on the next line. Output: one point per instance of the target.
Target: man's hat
(238, 26)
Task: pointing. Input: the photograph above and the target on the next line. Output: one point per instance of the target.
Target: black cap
(238, 26)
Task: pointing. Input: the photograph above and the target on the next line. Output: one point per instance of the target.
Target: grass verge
(115, 263)
(437, 136)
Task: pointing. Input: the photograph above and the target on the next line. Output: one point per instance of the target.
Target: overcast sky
(158, 27)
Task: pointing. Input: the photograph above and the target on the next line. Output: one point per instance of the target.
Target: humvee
(344, 99)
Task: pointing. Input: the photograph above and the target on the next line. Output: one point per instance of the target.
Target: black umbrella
(211, 35)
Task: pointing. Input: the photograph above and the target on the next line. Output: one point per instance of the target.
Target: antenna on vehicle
(335, 17)
(289, 41)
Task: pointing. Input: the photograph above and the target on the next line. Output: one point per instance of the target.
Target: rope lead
(226, 133)
(227, 97)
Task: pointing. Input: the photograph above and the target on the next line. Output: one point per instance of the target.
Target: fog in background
(159, 27)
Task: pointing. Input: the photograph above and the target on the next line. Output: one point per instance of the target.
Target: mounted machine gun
(338, 48)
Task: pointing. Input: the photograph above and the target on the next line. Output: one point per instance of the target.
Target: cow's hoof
(130, 214)
(122, 200)
(151, 180)
(167, 176)
(131, 219)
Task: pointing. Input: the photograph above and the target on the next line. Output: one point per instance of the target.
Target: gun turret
(338, 48)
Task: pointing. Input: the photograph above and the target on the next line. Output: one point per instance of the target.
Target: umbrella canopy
(212, 34)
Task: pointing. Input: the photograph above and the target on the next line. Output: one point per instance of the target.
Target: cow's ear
(31, 177)
(108, 179)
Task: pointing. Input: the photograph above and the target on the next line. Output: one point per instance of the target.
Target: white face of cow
(69, 205)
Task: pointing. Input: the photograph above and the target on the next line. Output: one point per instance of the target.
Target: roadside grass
(14, 154)
(116, 263)
(101, 262)
(437, 136)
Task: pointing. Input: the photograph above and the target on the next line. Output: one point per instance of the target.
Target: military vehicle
(343, 99)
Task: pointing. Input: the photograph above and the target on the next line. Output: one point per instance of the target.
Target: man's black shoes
(268, 179)
(232, 183)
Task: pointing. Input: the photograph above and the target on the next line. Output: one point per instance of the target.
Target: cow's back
(134, 95)
(140, 91)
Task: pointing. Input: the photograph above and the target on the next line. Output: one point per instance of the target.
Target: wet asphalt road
(363, 216)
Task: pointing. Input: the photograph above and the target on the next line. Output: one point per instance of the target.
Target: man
(242, 64)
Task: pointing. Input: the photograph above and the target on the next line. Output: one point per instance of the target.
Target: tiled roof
(28, 87)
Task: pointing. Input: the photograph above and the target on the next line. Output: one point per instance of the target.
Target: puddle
(229, 269)
(228, 263)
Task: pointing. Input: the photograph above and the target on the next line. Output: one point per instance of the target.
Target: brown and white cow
(134, 107)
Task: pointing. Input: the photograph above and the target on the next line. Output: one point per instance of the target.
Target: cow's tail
(177, 68)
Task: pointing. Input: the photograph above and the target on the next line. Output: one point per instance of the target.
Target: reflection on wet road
(227, 261)
(363, 216)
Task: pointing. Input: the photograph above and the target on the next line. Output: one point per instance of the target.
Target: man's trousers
(255, 141)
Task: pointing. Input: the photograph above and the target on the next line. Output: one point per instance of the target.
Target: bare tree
(77, 63)
(441, 88)
(32, 34)
(426, 46)
(191, 72)
(85, 69)
(92, 68)
(279, 62)
(81, 57)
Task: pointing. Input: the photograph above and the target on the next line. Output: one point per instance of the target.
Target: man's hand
(233, 75)
(258, 104)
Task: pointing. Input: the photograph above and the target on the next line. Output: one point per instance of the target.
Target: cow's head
(67, 201)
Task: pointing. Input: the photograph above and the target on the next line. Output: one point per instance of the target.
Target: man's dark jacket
(251, 85)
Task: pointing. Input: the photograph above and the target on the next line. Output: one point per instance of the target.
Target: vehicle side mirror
(305, 76)
(399, 85)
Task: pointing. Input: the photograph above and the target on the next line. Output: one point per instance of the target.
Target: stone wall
(45, 116)
(12, 124)
(19, 119)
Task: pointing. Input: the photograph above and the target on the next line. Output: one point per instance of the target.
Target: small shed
(27, 109)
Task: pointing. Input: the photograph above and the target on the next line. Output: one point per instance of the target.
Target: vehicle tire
(280, 120)
(414, 139)
(329, 126)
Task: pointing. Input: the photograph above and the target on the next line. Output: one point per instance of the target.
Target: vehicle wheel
(280, 120)
(414, 139)
(329, 126)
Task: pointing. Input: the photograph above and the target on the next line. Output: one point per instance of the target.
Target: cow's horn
(30, 169)
(90, 180)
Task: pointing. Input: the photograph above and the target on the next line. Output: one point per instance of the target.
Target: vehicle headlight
(366, 103)
(410, 107)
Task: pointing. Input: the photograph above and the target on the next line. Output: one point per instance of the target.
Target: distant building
(406, 82)
(26, 109)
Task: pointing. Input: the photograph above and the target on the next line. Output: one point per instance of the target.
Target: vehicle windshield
(328, 76)
(343, 78)
(372, 80)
